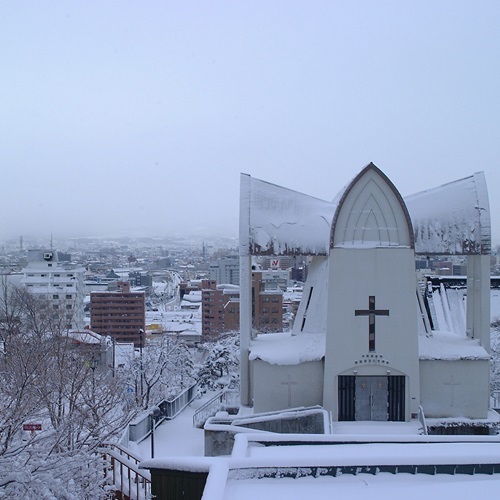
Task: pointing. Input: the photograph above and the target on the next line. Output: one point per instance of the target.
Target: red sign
(32, 427)
(275, 263)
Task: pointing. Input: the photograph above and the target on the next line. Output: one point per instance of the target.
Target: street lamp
(154, 414)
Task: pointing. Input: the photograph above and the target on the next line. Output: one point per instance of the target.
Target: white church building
(362, 345)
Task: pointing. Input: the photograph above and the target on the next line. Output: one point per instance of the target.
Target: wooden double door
(375, 398)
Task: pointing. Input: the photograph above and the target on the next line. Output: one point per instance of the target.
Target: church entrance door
(376, 398)
(371, 398)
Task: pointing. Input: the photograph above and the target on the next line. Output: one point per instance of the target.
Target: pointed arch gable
(371, 213)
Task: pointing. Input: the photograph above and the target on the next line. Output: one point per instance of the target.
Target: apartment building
(120, 314)
(221, 307)
(60, 284)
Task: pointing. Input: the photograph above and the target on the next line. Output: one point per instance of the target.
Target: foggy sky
(136, 118)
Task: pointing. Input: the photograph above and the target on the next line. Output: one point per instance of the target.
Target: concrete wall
(290, 386)
(364, 273)
(220, 432)
(454, 388)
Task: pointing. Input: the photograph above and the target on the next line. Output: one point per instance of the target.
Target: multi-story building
(221, 307)
(120, 314)
(267, 305)
(226, 270)
(61, 285)
(212, 308)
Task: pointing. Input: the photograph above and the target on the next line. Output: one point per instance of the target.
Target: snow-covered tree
(161, 371)
(220, 367)
(47, 378)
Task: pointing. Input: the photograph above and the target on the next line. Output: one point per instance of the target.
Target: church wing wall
(277, 387)
(454, 389)
(453, 219)
(279, 221)
(311, 314)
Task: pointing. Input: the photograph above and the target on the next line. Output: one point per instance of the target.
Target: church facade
(362, 345)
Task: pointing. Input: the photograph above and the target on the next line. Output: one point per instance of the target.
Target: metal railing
(123, 472)
(141, 427)
(227, 398)
(495, 395)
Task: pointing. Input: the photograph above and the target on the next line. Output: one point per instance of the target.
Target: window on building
(69, 306)
(275, 299)
(69, 296)
(265, 299)
(55, 296)
(265, 310)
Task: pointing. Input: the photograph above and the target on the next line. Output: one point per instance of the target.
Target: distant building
(226, 270)
(140, 279)
(121, 314)
(221, 306)
(61, 285)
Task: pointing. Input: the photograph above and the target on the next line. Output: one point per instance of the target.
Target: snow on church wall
(282, 221)
(453, 218)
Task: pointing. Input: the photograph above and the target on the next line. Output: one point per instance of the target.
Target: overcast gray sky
(136, 117)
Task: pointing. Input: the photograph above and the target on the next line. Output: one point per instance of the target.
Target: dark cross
(371, 312)
(289, 383)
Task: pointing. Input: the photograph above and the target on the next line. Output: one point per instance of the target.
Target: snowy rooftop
(288, 349)
(449, 346)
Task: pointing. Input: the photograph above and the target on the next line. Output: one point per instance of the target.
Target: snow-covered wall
(453, 219)
(282, 221)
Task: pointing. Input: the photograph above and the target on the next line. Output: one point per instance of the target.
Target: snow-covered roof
(287, 349)
(450, 347)
(451, 219)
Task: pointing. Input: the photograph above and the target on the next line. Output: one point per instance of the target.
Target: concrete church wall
(454, 388)
(388, 275)
(311, 317)
(278, 387)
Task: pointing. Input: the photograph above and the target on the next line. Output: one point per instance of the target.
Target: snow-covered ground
(177, 437)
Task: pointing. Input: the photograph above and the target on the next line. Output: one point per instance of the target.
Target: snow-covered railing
(421, 419)
(227, 398)
(140, 427)
(171, 408)
(124, 473)
(495, 395)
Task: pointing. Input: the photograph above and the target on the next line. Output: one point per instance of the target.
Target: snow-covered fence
(495, 395)
(140, 428)
(171, 408)
(124, 474)
(227, 398)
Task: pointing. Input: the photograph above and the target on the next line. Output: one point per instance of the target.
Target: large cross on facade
(371, 312)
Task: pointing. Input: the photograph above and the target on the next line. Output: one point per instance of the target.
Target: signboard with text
(32, 427)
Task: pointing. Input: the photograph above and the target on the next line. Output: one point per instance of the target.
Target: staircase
(122, 471)
(226, 400)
